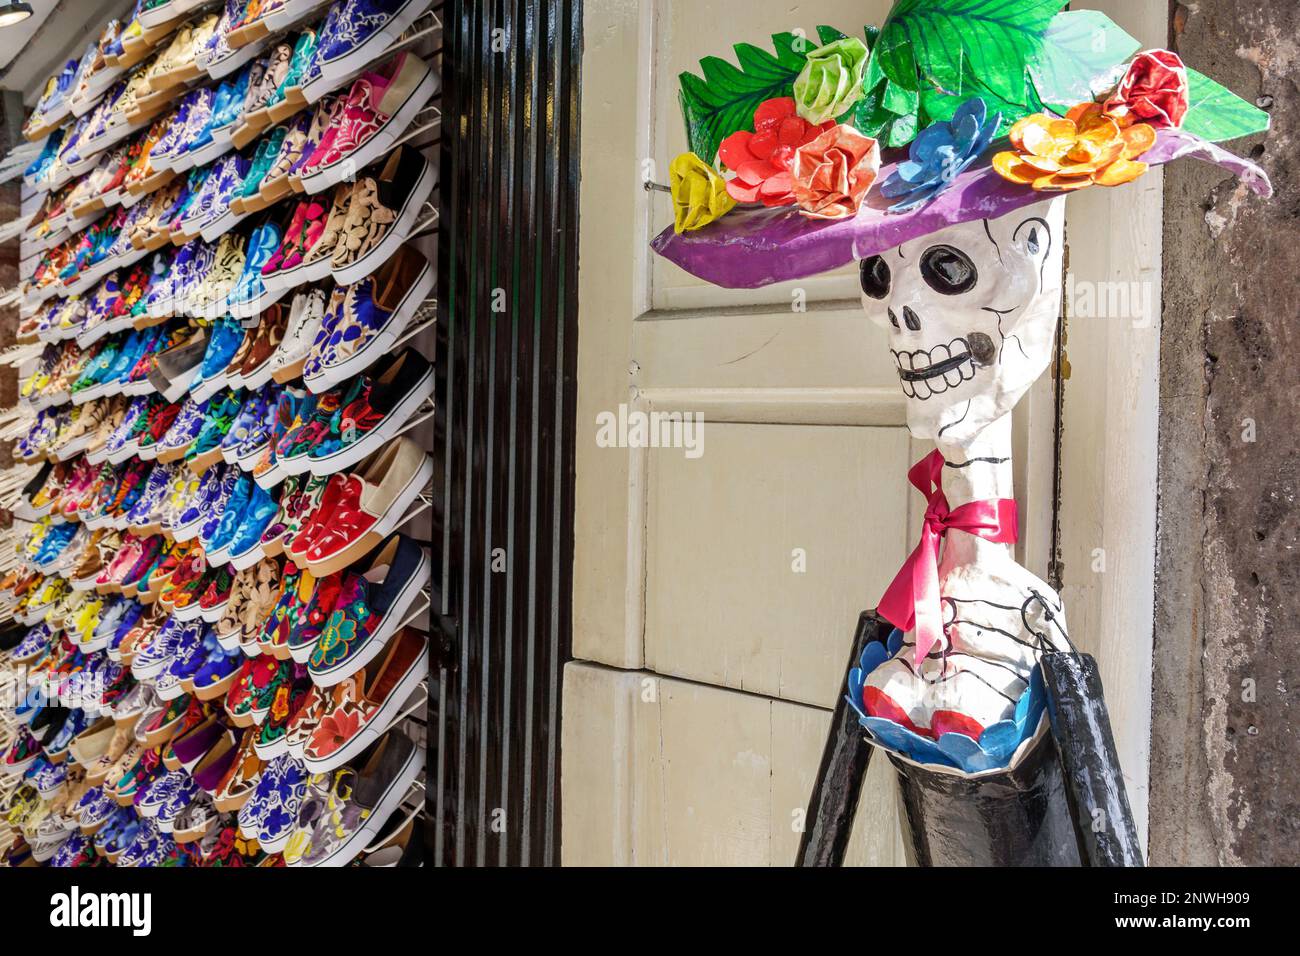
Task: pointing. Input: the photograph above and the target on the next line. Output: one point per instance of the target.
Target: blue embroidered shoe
(230, 183)
(191, 651)
(162, 791)
(217, 504)
(223, 342)
(364, 29)
(250, 295)
(217, 672)
(312, 369)
(313, 84)
(231, 518)
(184, 793)
(280, 812)
(152, 659)
(252, 428)
(376, 312)
(245, 547)
(213, 483)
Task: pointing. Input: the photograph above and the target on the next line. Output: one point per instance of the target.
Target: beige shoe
(95, 741)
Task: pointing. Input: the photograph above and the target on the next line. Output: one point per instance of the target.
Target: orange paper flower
(833, 172)
(1084, 148)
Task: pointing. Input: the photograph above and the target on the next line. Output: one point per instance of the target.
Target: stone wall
(1225, 778)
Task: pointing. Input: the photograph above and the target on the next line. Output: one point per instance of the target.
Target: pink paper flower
(833, 172)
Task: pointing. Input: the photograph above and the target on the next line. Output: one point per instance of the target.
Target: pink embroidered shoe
(380, 106)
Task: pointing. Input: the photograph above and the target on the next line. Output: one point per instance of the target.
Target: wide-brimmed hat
(812, 157)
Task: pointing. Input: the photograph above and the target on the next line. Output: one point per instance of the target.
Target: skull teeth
(926, 372)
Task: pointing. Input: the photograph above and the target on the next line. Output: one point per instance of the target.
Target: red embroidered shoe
(369, 506)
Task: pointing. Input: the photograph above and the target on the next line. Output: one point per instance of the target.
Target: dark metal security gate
(507, 345)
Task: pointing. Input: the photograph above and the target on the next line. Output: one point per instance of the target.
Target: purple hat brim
(752, 246)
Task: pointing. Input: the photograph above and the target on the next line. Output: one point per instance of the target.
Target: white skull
(971, 313)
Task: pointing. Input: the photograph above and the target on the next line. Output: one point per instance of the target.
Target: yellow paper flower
(699, 193)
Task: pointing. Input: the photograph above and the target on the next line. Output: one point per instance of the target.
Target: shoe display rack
(214, 598)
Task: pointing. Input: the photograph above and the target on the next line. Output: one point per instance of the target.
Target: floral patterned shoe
(245, 546)
(162, 791)
(217, 543)
(366, 704)
(383, 212)
(215, 598)
(280, 811)
(311, 428)
(183, 490)
(312, 811)
(276, 184)
(94, 810)
(186, 583)
(302, 257)
(241, 775)
(290, 696)
(318, 599)
(306, 720)
(219, 416)
(194, 822)
(184, 430)
(376, 312)
(317, 255)
(299, 496)
(250, 295)
(212, 487)
(230, 254)
(380, 106)
(159, 420)
(253, 675)
(138, 635)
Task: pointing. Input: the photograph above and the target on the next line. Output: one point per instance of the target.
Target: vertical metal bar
(505, 421)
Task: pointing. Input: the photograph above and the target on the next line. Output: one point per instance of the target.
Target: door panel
(704, 777)
(760, 551)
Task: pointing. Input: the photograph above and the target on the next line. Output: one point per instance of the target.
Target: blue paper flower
(996, 745)
(938, 154)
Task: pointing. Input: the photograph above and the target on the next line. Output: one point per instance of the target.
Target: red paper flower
(761, 159)
(833, 172)
(1154, 91)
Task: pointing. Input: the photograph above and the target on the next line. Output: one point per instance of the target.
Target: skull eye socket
(874, 275)
(948, 271)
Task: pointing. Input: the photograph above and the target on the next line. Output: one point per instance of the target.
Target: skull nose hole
(910, 318)
(893, 319)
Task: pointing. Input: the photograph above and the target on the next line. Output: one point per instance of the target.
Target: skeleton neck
(976, 470)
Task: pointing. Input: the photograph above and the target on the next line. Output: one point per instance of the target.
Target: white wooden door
(715, 595)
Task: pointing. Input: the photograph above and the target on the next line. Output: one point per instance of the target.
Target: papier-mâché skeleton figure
(971, 314)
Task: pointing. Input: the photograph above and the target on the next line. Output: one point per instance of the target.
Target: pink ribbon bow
(912, 598)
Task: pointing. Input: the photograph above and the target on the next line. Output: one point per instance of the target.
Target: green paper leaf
(942, 42)
(829, 35)
(1216, 113)
(725, 99)
(1084, 55)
